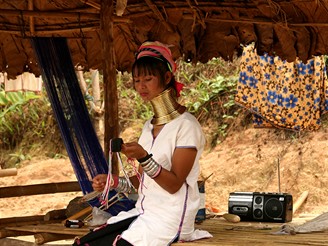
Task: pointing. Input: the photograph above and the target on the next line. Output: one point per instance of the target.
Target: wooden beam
(48, 14)
(39, 189)
(109, 77)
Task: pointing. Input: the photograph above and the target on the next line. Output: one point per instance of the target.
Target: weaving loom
(78, 134)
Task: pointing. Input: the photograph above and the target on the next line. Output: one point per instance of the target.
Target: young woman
(168, 152)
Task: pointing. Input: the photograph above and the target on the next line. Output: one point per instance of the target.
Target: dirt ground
(247, 160)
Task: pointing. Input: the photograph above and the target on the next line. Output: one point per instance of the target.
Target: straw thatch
(198, 30)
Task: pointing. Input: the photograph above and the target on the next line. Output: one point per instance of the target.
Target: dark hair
(148, 65)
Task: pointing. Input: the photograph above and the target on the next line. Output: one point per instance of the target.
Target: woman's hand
(133, 150)
(99, 182)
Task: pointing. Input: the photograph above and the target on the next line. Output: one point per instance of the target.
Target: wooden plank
(253, 233)
(38, 189)
(224, 233)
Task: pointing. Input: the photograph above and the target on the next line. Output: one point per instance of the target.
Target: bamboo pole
(299, 202)
(8, 172)
(38, 189)
(109, 77)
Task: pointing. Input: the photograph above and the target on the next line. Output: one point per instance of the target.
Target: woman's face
(148, 86)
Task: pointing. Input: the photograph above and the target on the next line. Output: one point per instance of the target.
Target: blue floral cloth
(282, 94)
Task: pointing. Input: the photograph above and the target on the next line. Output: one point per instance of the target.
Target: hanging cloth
(24, 82)
(281, 94)
(80, 139)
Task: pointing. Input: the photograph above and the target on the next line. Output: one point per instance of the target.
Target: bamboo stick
(79, 214)
(8, 172)
(300, 201)
(50, 228)
(38, 189)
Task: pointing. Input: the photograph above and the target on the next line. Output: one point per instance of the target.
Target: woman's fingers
(99, 182)
(133, 150)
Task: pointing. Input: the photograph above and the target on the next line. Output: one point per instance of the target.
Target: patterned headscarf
(162, 52)
(158, 50)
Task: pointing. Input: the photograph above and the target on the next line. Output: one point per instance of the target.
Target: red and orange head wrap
(162, 52)
(158, 50)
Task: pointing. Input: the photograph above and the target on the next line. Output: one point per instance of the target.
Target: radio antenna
(279, 175)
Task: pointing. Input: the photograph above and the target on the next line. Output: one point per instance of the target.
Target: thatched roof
(197, 30)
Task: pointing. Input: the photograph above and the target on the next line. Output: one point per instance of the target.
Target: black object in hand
(116, 144)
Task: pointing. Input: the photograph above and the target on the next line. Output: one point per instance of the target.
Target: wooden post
(109, 77)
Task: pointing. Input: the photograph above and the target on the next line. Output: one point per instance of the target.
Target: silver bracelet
(123, 185)
(151, 167)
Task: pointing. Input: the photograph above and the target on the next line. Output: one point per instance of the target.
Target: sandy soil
(246, 161)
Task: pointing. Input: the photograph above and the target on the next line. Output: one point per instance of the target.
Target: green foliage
(25, 118)
(14, 111)
(209, 95)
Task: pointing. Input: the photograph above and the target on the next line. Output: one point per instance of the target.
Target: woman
(168, 151)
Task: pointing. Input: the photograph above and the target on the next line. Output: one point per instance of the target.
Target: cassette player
(261, 206)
